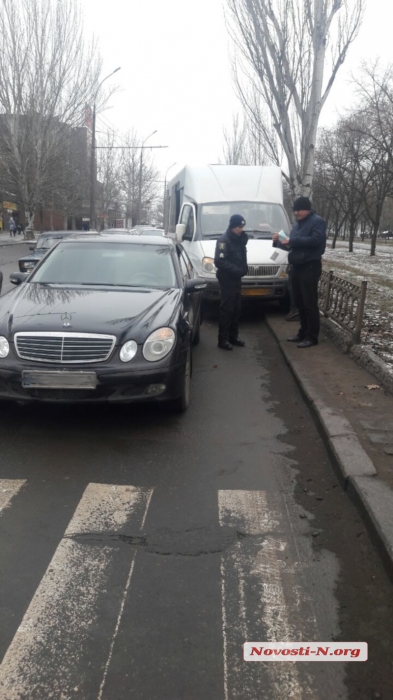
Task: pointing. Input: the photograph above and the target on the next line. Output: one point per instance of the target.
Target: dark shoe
(236, 341)
(295, 339)
(293, 315)
(225, 345)
(307, 343)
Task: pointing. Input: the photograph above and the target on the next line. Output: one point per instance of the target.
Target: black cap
(236, 220)
(302, 204)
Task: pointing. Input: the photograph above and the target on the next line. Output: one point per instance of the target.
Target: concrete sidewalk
(355, 420)
(6, 240)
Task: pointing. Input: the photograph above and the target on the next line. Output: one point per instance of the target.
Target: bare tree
(47, 74)
(130, 174)
(285, 46)
(347, 154)
(234, 142)
(244, 143)
(330, 180)
(109, 177)
(375, 126)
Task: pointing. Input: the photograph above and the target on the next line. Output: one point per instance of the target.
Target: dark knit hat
(302, 204)
(236, 220)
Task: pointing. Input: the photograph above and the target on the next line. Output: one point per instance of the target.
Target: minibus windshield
(262, 219)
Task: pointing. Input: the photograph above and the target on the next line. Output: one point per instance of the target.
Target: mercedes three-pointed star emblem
(66, 318)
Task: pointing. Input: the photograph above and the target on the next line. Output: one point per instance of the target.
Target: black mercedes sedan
(103, 318)
(45, 242)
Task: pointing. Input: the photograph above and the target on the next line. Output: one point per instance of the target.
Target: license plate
(256, 292)
(35, 379)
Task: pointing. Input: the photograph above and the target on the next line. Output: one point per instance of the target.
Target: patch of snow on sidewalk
(377, 333)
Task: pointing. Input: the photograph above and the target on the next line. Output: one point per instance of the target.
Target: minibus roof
(231, 183)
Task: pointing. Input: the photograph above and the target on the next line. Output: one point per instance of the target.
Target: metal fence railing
(343, 302)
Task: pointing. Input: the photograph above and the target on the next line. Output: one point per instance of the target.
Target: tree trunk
(351, 235)
(73, 224)
(29, 229)
(336, 232)
(374, 238)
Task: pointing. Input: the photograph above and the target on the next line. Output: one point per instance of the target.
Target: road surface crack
(192, 542)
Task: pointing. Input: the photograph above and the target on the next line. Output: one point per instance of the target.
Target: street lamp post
(93, 169)
(140, 178)
(167, 171)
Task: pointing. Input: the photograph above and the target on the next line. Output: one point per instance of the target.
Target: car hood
(37, 255)
(258, 252)
(124, 313)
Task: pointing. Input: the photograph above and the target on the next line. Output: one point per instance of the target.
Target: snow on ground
(377, 333)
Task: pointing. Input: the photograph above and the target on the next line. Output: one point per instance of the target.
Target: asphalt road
(139, 549)
(9, 256)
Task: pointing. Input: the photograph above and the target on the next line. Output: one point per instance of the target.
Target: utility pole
(168, 169)
(93, 168)
(140, 178)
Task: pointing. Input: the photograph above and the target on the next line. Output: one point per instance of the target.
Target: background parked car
(44, 243)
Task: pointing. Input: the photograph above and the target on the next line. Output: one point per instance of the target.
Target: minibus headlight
(208, 265)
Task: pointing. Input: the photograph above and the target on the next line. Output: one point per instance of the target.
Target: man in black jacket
(231, 262)
(306, 245)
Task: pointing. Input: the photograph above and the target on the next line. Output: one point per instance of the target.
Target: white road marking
(84, 585)
(8, 489)
(260, 599)
(120, 615)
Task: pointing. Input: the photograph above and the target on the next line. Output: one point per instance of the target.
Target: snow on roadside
(377, 333)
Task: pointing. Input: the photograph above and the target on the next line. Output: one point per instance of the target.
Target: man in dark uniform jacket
(306, 245)
(231, 262)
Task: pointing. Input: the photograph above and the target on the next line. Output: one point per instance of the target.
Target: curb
(6, 242)
(357, 473)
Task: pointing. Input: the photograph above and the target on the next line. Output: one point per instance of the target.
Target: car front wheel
(197, 332)
(181, 404)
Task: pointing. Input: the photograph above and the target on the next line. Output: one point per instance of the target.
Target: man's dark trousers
(305, 289)
(230, 308)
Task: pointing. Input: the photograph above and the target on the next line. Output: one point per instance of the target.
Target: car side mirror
(18, 277)
(195, 285)
(180, 231)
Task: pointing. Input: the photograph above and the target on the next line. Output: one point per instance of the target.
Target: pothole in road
(188, 543)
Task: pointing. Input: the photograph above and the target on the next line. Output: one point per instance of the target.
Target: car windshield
(262, 219)
(113, 264)
(47, 242)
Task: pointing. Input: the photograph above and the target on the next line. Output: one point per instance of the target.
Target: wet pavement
(139, 549)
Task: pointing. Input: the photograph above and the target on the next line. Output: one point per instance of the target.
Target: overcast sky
(176, 75)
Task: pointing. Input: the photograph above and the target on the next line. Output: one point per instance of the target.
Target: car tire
(197, 333)
(181, 404)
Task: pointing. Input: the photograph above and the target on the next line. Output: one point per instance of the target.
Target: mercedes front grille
(64, 348)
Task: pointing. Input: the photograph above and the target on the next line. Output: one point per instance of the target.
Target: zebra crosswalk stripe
(8, 489)
(259, 599)
(84, 585)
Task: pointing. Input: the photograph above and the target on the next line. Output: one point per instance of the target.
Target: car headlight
(128, 351)
(4, 347)
(159, 344)
(208, 265)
